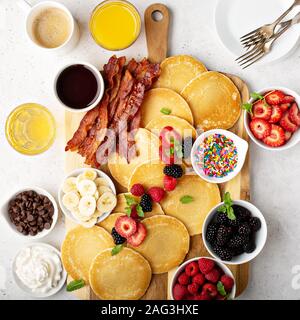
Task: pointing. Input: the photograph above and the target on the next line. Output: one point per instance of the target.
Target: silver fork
(265, 32)
(265, 46)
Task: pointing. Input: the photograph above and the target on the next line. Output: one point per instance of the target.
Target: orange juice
(30, 129)
(115, 24)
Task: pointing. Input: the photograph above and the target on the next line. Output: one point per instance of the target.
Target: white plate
(235, 18)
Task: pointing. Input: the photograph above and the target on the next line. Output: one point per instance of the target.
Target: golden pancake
(184, 128)
(205, 196)
(124, 276)
(110, 221)
(166, 244)
(80, 247)
(160, 100)
(214, 100)
(121, 205)
(178, 71)
(148, 174)
(147, 146)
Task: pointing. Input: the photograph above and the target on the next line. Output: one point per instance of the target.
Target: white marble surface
(26, 75)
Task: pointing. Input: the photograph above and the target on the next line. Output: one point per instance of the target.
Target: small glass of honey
(115, 24)
(30, 129)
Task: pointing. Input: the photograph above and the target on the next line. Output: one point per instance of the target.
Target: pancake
(156, 100)
(124, 276)
(166, 244)
(214, 100)
(147, 146)
(121, 205)
(184, 128)
(80, 247)
(178, 71)
(205, 196)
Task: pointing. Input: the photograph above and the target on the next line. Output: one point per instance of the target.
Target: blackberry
(223, 235)
(222, 218)
(211, 232)
(255, 224)
(237, 251)
(187, 147)
(249, 246)
(236, 242)
(241, 213)
(117, 238)
(224, 253)
(173, 170)
(146, 203)
(244, 229)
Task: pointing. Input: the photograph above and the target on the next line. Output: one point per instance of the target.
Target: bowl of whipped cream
(38, 270)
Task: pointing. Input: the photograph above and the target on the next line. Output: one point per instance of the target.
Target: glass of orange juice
(115, 24)
(30, 129)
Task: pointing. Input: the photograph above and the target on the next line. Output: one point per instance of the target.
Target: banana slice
(69, 185)
(90, 174)
(76, 213)
(71, 200)
(101, 182)
(90, 223)
(103, 189)
(87, 206)
(96, 195)
(87, 187)
(106, 202)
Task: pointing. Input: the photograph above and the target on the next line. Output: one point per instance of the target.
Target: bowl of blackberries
(234, 232)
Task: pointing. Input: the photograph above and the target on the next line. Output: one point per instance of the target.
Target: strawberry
(276, 137)
(180, 291)
(274, 97)
(137, 190)
(169, 183)
(125, 226)
(287, 135)
(294, 114)
(156, 193)
(260, 128)
(210, 290)
(228, 282)
(284, 106)
(206, 265)
(276, 114)
(183, 279)
(139, 236)
(199, 279)
(288, 99)
(192, 269)
(193, 288)
(261, 110)
(213, 276)
(287, 124)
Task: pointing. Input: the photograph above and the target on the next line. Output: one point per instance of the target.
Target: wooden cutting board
(239, 187)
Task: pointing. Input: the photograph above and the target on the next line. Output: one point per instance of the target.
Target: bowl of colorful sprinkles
(218, 155)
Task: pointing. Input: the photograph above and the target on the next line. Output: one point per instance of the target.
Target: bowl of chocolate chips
(31, 213)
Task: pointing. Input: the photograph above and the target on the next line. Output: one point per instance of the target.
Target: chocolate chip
(47, 225)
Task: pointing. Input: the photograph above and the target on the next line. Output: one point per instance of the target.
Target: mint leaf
(227, 207)
(140, 211)
(166, 111)
(222, 209)
(227, 199)
(75, 285)
(115, 250)
(130, 200)
(128, 211)
(230, 214)
(256, 96)
(221, 289)
(186, 199)
(247, 107)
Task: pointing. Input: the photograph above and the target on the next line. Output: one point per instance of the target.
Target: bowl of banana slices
(87, 196)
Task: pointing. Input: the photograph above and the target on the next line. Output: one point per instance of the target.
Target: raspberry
(202, 296)
(184, 279)
(205, 265)
(137, 190)
(213, 276)
(156, 193)
(193, 288)
(199, 279)
(192, 269)
(169, 183)
(209, 290)
(227, 282)
(180, 291)
(133, 213)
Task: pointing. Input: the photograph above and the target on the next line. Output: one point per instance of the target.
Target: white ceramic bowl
(242, 148)
(295, 137)
(181, 268)
(76, 173)
(40, 235)
(51, 292)
(260, 235)
(100, 82)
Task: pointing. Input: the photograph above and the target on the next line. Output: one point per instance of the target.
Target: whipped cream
(39, 268)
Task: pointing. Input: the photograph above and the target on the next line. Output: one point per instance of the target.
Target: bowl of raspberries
(203, 278)
(234, 232)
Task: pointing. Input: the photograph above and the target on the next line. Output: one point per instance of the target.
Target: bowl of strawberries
(272, 119)
(203, 278)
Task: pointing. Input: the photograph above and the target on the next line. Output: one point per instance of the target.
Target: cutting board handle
(157, 31)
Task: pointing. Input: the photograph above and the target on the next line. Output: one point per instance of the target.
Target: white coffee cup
(35, 10)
